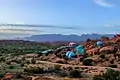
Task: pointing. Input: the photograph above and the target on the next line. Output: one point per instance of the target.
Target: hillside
(21, 46)
(103, 61)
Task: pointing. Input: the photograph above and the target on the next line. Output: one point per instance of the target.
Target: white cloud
(112, 26)
(4, 29)
(109, 25)
(103, 3)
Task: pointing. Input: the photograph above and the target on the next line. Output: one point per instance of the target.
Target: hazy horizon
(36, 17)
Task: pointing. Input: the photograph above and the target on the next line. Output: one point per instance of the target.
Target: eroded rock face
(43, 78)
(8, 76)
(93, 51)
(58, 60)
(107, 49)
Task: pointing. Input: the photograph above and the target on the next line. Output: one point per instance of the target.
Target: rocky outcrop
(93, 51)
(58, 60)
(107, 49)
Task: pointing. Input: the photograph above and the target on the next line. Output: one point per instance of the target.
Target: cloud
(44, 26)
(112, 26)
(103, 3)
(17, 30)
(109, 25)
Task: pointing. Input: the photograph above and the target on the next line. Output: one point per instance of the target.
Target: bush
(107, 59)
(75, 73)
(11, 67)
(2, 59)
(28, 78)
(62, 74)
(2, 75)
(105, 37)
(69, 68)
(110, 74)
(22, 64)
(85, 55)
(113, 66)
(112, 61)
(102, 56)
(57, 67)
(87, 62)
(33, 61)
(88, 39)
(97, 77)
(27, 61)
(34, 70)
(18, 75)
(8, 62)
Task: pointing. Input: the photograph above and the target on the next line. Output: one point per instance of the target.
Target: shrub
(63, 55)
(11, 67)
(33, 61)
(62, 74)
(105, 37)
(18, 75)
(97, 77)
(85, 55)
(75, 73)
(110, 74)
(87, 62)
(27, 61)
(28, 78)
(57, 67)
(8, 62)
(102, 56)
(112, 61)
(22, 64)
(2, 59)
(113, 66)
(40, 54)
(34, 70)
(88, 39)
(2, 74)
(69, 68)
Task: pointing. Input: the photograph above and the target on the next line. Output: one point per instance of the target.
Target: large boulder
(107, 49)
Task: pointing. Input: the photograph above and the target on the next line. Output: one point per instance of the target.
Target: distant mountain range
(60, 37)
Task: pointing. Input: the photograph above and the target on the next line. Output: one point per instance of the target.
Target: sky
(58, 17)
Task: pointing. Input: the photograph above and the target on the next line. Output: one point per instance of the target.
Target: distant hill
(60, 37)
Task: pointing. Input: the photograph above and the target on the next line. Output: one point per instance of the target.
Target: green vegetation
(110, 74)
(35, 70)
(21, 47)
(57, 67)
(2, 74)
(87, 61)
(105, 37)
(75, 74)
(62, 74)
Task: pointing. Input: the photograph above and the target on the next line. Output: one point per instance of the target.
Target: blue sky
(85, 16)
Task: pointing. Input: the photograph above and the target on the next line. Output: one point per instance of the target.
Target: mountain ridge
(61, 37)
